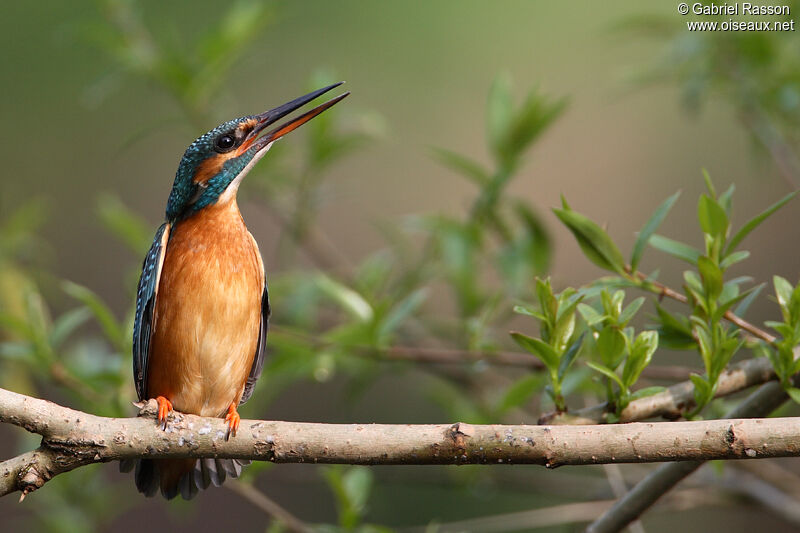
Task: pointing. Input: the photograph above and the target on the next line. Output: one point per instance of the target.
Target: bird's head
(214, 165)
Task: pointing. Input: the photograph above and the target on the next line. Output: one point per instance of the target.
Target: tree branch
(72, 439)
(269, 507)
(659, 288)
(659, 482)
(674, 401)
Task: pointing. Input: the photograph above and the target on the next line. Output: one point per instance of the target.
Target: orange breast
(208, 312)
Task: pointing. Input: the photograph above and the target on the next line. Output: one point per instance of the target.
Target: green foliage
(593, 240)
(649, 229)
(782, 354)
(351, 486)
(193, 72)
(559, 344)
(441, 280)
(709, 295)
(614, 342)
(755, 73)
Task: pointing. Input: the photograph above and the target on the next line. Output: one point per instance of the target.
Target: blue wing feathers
(258, 360)
(145, 306)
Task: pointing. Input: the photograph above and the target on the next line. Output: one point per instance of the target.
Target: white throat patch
(230, 191)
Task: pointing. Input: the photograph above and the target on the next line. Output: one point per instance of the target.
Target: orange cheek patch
(211, 167)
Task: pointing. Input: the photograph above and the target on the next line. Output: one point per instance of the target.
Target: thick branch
(73, 439)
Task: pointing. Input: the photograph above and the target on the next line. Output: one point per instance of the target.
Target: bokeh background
(101, 98)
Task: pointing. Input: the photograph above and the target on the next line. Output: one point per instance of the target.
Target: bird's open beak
(273, 115)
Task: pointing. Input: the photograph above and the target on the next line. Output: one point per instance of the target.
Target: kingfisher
(202, 304)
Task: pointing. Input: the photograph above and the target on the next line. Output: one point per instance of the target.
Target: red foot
(233, 420)
(164, 409)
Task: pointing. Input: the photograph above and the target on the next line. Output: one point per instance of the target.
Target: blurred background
(406, 217)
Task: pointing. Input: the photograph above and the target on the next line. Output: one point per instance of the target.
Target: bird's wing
(146, 295)
(258, 359)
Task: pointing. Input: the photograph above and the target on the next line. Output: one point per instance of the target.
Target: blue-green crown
(187, 197)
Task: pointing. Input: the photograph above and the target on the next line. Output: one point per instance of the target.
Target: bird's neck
(222, 213)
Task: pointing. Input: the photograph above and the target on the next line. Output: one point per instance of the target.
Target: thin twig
(269, 506)
(776, 501)
(570, 513)
(451, 356)
(779, 476)
(663, 290)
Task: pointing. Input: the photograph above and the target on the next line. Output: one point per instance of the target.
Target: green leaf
(709, 184)
(645, 392)
(674, 331)
(606, 372)
(535, 234)
(68, 323)
(357, 483)
(783, 291)
(712, 217)
(520, 391)
(641, 354)
(590, 315)
(611, 345)
(726, 200)
(744, 305)
(540, 349)
(726, 303)
(711, 275)
(462, 165)
(794, 394)
(124, 224)
(401, 312)
(533, 118)
(569, 356)
(565, 321)
(347, 298)
(734, 258)
(111, 328)
(351, 486)
(649, 228)
(629, 312)
(500, 114)
(548, 303)
(702, 389)
(595, 243)
(754, 222)
(676, 249)
(525, 310)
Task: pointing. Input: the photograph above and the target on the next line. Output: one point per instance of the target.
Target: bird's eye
(225, 143)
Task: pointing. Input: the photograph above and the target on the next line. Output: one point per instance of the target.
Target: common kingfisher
(202, 304)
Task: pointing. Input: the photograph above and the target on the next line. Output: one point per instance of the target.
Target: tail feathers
(181, 476)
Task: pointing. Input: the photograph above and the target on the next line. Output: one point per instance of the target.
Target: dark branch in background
(269, 507)
(762, 402)
(418, 354)
(72, 439)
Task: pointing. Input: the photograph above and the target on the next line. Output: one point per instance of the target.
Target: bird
(202, 303)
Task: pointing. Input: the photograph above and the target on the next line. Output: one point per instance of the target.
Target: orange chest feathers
(208, 312)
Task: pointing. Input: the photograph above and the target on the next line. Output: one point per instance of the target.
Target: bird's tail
(184, 476)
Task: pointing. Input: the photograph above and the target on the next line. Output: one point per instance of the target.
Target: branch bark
(72, 439)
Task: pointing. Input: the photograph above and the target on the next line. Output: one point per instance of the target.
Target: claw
(233, 420)
(164, 409)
